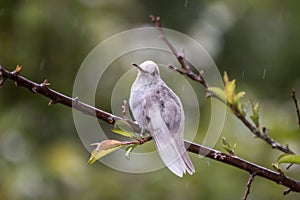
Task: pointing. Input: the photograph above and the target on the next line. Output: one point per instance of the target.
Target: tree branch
(179, 55)
(293, 94)
(56, 97)
(247, 190)
(186, 70)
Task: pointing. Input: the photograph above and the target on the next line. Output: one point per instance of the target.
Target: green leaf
(276, 167)
(129, 149)
(103, 148)
(241, 108)
(217, 92)
(225, 142)
(124, 125)
(289, 158)
(238, 97)
(123, 128)
(122, 132)
(229, 88)
(227, 146)
(225, 77)
(229, 91)
(255, 114)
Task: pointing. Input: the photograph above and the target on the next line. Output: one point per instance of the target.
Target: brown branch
(247, 190)
(56, 97)
(179, 55)
(293, 94)
(186, 70)
(260, 134)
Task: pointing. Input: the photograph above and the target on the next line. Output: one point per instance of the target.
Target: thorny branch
(293, 94)
(186, 70)
(179, 55)
(247, 190)
(56, 97)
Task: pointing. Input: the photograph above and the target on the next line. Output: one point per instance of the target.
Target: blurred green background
(41, 155)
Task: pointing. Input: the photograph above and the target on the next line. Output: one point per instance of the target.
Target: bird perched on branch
(158, 110)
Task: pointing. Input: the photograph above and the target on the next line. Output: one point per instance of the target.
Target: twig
(244, 165)
(235, 161)
(293, 94)
(186, 70)
(179, 55)
(287, 191)
(247, 190)
(261, 134)
(56, 97)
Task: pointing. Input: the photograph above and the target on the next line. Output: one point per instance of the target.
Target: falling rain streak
(264, 73)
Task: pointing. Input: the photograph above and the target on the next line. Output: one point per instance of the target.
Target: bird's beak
(139, 68)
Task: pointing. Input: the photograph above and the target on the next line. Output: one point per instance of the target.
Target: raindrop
(186, 3)
(243, 74)
(264, 74)
(42, 64)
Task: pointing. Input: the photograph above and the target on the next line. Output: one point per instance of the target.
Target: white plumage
(158, 110)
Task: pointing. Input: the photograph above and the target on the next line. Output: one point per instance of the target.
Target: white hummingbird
(158, 110)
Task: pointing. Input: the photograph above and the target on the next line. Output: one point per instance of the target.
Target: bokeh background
(41, 155)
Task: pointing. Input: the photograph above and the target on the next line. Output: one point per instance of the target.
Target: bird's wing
(165, 142)
(166, 123)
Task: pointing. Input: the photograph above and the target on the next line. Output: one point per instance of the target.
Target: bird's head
(148, 69)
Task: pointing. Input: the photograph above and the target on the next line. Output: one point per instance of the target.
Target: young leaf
(225, 77)
(255, 114)
(277, 167)
(129, 149)
(241, 108)
(227, 146)
(289, 158)
(122, 124)
(238, 97)
(103, 148)
(123, 128)
(122, 132)
(218, 92)
(229, 88)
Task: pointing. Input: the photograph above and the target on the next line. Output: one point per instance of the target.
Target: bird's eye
(154, 73)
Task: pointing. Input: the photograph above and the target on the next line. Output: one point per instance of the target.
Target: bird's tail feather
(172, 152)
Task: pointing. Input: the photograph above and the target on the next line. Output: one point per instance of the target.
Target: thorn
(208, 95)
(158, 20)
(52, 102)
(17, 70)
(2, 80)
(201, 72)
(288, 190)
(265, 131)
(152, 18)
(110, 120)
(155, 20)
(45, 83)
(181, 54)
(76, 100)
(33, 89)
